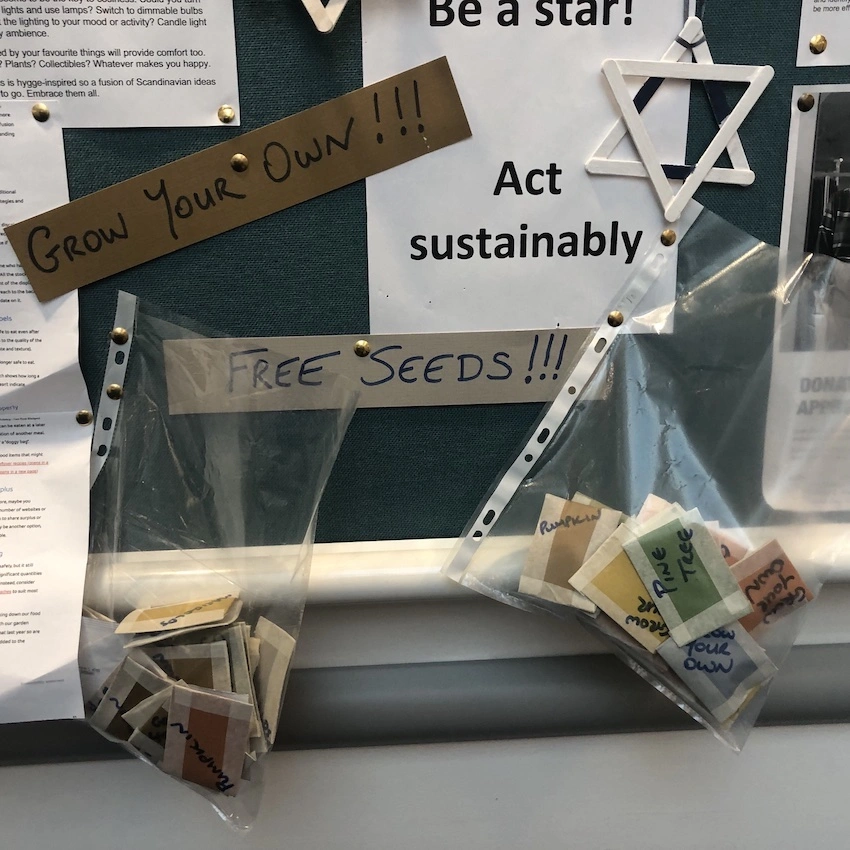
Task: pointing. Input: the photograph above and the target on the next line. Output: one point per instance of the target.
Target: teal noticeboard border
(402, 473)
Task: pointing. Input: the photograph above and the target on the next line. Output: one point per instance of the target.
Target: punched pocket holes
(119, 357)
(600, 345)
(488, 518)
(102, 449)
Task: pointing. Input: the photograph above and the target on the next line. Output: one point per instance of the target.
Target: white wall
(684, 791)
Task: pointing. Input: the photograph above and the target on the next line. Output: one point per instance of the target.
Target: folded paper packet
(653, 506)
(671, 566)
(772, 585)
(146, 638)
(151, 713)
(227, 666)
(276, 648)
(253, 653)
(149, 747)
(178, 616)
(731, 549)
(236, 637)
(723, 668)
(689, 581)
(206, 665)
(149, 721)
(566, 535)
(100, 652)
(207, 737)
(90, 613)
(132, 684)
(608, 578)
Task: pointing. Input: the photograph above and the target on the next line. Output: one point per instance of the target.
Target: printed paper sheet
(806, 457)
(44, 452)
(831, 20)
(127, 63)
(507, 230)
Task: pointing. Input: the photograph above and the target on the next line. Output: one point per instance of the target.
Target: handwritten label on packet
(132, 684)
(145, 638)
(731, 549)
(682, 567)
(772, 584)
(399, 370)
(176, 616)
(722, 668)
(293, 160)
(609, 580)
(207, 738)
(566, 535)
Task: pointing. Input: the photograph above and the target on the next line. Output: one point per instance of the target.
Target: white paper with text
(506, 230)
(122, 63)
(44, 452)
(830, 19)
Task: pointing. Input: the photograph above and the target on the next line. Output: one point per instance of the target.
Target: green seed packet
(687, 578)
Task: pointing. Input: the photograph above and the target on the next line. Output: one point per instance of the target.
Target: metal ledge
(374, 571)
(393, 652)
(476, 700)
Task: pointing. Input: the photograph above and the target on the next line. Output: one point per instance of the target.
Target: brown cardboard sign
(329, 146)
(391, 370)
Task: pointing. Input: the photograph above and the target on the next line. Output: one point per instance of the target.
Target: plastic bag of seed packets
(203, 519)
(649, 500)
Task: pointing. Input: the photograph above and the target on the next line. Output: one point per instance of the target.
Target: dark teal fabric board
(401, 473)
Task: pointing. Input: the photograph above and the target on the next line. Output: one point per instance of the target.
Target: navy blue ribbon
(716, 99)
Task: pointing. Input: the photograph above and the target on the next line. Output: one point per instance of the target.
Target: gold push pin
(84, 417)
(362, 348)
(226, 114)
(119, 336)
(668, 238)
(239, 162)
(818, 44)
(615, 318)
(806, 102)
(114, 391)
(40, 112)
